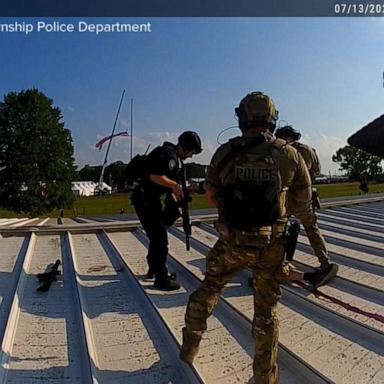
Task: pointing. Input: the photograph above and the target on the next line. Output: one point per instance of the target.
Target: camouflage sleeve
(306, 152)
(316, 166)
(301, 184)
(212, 180)
(311, 159)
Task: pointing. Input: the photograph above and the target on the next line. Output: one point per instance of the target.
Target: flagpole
(109, 144)
(131, 125)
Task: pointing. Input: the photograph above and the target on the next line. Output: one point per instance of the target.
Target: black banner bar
(190, 8)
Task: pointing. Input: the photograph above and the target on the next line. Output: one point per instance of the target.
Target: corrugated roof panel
(103, 321)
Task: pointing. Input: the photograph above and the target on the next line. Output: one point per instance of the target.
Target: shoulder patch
(172, 164)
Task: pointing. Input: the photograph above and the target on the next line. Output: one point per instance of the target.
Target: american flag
(100, 143)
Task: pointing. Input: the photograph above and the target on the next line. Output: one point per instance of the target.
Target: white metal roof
(103, 322)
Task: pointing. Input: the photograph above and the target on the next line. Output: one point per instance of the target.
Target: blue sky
(324, 74)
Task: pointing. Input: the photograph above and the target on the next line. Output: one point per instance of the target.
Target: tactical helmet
(287, 131)
(257, 108)
(190, 141)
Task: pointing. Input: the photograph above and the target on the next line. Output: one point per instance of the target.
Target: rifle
(48, 277)
(291, 234)
(184, 205)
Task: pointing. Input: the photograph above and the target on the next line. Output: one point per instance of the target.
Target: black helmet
(287, 131)
(257, 108)
(190, 141)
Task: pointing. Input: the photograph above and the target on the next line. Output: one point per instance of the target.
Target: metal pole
(131, 125)
(109, 144)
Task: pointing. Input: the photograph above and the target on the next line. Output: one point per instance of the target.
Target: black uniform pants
(155, 221)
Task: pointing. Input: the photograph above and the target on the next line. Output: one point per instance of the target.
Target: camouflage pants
(223, 262)
(308, 218)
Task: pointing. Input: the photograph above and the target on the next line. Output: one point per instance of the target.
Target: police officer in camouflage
(305, 212)
(162, 179)
(248, 180)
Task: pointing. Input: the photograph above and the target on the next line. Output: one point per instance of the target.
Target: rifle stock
(184, 204)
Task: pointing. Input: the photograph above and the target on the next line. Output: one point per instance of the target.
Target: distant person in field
(364, 185)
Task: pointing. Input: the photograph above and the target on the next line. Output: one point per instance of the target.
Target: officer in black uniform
(163, 178)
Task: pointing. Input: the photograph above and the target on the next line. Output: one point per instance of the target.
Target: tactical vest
(252, 185)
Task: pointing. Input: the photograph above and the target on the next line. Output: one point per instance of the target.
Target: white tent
(77, 190)
(87, 188)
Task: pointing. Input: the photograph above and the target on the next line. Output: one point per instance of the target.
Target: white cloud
(70, 108)
(161, 136)
(325, 146)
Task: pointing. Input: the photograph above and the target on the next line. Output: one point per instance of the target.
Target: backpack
(310, 157)
(251, 186)
(135, 170)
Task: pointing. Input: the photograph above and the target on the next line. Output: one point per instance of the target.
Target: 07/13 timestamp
(355, 9)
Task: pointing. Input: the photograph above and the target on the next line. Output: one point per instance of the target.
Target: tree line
(358, 164)
(37, 164)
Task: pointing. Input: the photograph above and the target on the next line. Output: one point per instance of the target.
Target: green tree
(116, 172)
(36, 154)
(357, 163)
(90, 173)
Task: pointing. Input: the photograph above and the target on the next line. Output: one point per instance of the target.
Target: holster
(291, 234)
(171, 213)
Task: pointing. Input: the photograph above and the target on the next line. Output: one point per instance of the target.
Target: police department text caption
(81, 27)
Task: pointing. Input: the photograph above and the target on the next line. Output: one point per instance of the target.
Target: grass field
(346, 189)
(112, 204)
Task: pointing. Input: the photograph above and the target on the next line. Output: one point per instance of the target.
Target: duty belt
(264, 231)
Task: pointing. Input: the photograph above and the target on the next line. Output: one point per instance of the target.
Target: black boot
(150, 274)
(323, 276)
(166, 282)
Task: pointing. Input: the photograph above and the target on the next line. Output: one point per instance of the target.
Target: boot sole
(167, 288)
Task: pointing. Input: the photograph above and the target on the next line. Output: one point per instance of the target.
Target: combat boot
(190, 347)
(150, 274)
(323, 276)
(166, 282)
(272, 378)
(325, 264)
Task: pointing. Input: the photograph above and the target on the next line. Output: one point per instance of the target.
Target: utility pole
(100, 185)
(131, 126)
